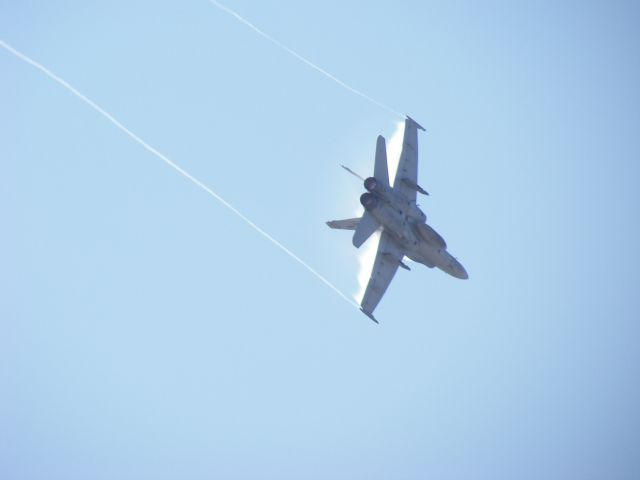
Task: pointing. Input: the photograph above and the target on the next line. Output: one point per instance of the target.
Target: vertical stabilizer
(380, 169)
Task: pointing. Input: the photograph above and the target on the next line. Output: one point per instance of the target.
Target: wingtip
(416, 123)
(370, 315)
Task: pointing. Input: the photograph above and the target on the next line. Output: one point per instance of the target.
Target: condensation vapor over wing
(367, 253)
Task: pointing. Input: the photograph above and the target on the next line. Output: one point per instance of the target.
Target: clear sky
(148, 332)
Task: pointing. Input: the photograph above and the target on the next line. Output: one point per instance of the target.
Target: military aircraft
(393, 209)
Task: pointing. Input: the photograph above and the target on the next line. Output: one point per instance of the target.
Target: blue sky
(147, 332)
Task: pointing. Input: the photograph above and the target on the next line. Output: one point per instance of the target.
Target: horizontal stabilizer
(347, 224)
(366, 227)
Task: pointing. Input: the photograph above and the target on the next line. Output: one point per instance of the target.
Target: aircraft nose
(462, 273)
(459, 271)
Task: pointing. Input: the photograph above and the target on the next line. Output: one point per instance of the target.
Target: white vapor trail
(238, 17)
(172, 164)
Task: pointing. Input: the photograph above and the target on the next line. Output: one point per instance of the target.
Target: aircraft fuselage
(407, 224)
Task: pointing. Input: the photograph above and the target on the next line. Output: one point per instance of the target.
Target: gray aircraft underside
(394, 211)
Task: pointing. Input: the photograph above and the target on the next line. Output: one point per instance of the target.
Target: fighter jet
(404, 229)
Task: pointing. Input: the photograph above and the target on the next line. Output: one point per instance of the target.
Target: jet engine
(395, 199)
(370, 184)
(368, 200)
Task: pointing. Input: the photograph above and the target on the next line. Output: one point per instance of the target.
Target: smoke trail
(367, 253)
(237, 16)
(173, 165)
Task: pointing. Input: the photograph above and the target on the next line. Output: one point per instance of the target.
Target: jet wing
(348, 224)
(387, 261)
(406, 181)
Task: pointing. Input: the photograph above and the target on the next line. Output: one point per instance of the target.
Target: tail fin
(348, 224)
(380, 169)
(366, 227)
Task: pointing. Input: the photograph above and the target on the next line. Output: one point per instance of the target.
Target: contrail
(173, 165)
(237, 16)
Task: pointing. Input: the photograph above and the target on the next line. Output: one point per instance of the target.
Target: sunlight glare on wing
(366, 257)
(394, 149)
